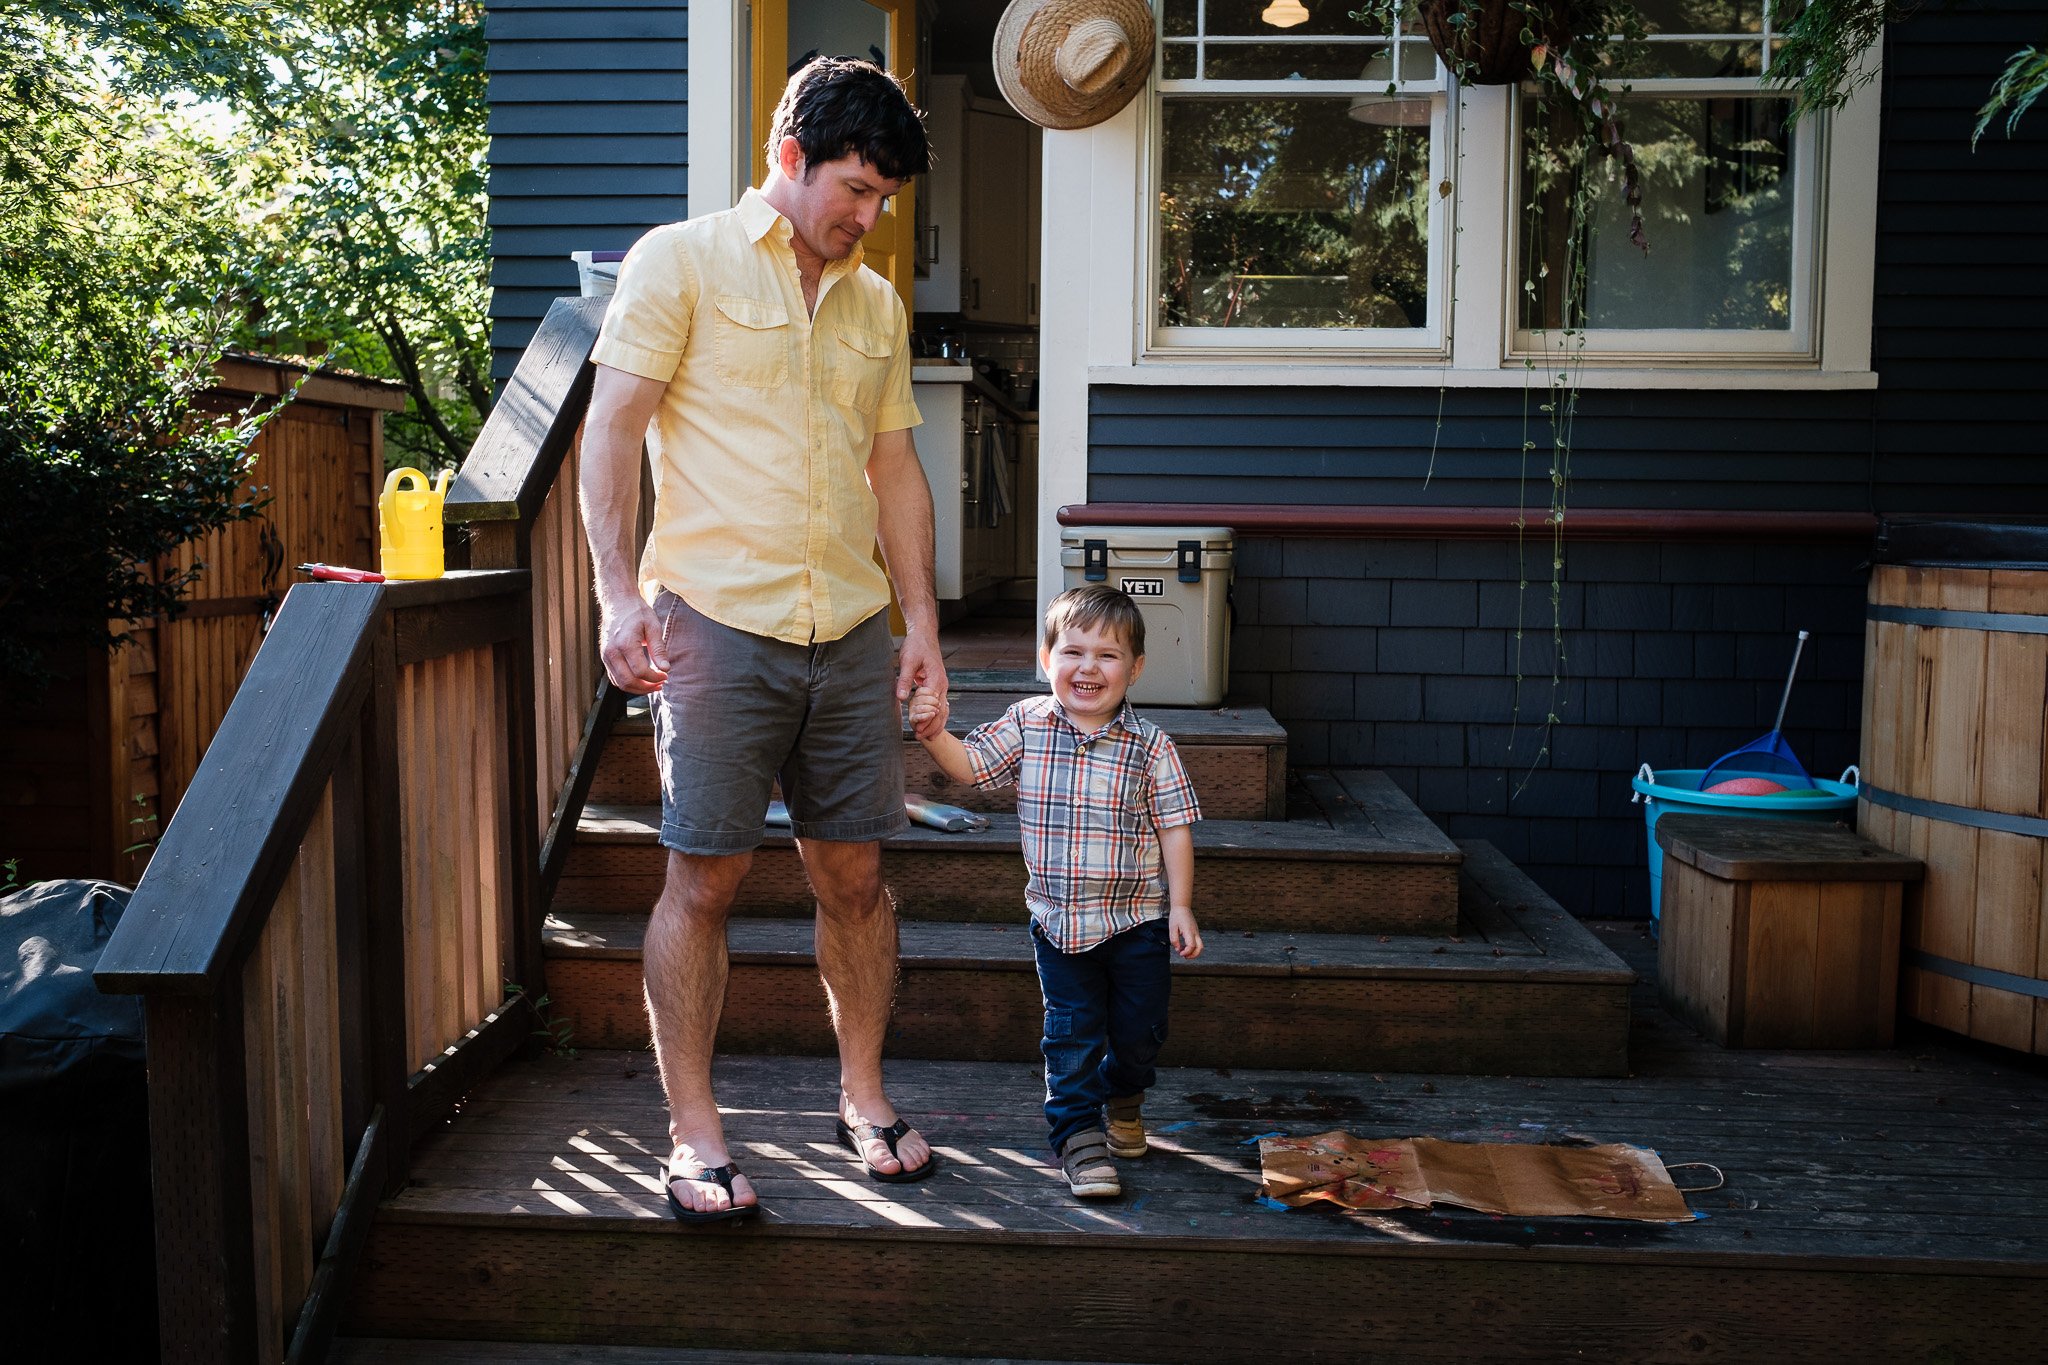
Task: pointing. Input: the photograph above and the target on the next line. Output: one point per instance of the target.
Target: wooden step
(1376, 865)
(399, 1351)
(1900, 1190)
(1522, 988)
(1235, 755)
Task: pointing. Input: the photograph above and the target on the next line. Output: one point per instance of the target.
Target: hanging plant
(1488, 42)
(1558, 47)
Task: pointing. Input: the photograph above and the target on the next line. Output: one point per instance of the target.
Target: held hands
(921, 674)
(928, 713)
(634, 658)
(1183, 933)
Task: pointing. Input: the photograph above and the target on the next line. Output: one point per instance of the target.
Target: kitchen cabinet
(1000, 209)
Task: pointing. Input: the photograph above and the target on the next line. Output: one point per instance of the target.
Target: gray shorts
(741, 710)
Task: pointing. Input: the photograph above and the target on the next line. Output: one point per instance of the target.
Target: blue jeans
(1105, 1019)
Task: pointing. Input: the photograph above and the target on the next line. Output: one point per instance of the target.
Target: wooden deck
(1879, 1206)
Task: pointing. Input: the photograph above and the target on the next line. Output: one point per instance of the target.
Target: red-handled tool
(333, 573)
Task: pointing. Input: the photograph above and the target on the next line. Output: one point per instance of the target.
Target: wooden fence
(331, 940)
(91, 771)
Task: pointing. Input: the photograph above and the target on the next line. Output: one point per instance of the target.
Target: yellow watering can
(409, 524)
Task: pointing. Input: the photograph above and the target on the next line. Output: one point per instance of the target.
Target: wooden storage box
(1779, 934)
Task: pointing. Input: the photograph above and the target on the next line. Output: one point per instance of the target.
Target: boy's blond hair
(1096, 606)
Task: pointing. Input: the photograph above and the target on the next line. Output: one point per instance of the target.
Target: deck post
(509, 545)
(383, 982)
(205, 1229)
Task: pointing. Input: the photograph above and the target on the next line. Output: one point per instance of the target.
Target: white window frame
(1429, 341)
(1795, 344)
(1097, 188)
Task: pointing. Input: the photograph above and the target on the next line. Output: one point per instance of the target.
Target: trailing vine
(1558, 51)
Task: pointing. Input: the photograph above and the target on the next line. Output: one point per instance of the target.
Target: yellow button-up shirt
(763, 519)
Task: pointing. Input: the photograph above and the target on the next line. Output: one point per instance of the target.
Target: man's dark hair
(840, 105)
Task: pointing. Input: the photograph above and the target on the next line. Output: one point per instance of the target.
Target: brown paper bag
(1521, 1179)
(1349, 1172)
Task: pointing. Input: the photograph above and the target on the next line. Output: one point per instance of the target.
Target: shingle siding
(589, 144)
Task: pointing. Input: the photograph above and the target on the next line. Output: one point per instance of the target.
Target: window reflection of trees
(1717, 189)
(1287, 213)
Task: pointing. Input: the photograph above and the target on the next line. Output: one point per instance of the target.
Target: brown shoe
(1127, 1126)
(1090, 1173)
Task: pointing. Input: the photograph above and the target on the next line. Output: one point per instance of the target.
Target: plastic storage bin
(1679, 789)
(1180, 578)
(597, 272)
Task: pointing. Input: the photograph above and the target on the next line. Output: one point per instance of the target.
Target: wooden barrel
(1955, 734)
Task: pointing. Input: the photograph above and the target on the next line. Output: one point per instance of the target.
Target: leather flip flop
(710, 1175)
(851, 1138)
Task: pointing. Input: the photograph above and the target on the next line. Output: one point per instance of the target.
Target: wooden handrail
(518, 509)
(514, 461)
(218, 867)
(301, 897)
(325, 938)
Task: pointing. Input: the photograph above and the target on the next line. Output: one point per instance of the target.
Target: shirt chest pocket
(750, 342)
(860, 366)
(1116, 791)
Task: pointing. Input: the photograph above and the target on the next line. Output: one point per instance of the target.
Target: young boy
(1105, 808)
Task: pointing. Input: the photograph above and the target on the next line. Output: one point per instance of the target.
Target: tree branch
(408, 364)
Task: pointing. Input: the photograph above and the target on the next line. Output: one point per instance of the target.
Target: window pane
(1177, 20)
(1326, 19)
(1291, 213)
(1702, 16)
(1177, 61)
(1692, 60)
(1717, 180)
(1297, 61)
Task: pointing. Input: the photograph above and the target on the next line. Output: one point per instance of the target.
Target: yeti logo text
(1144, 587)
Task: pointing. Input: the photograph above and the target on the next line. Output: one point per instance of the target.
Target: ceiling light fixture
(1285, 13)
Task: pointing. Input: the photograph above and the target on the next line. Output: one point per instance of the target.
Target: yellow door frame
(887, 249)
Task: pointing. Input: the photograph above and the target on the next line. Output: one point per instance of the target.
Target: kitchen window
(1295, 176)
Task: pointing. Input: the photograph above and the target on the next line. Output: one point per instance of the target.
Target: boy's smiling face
(1091, 671)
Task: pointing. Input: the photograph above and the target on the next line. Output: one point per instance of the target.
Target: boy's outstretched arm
(1177, 851)
(928, 712)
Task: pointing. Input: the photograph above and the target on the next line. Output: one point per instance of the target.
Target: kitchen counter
(955, 372)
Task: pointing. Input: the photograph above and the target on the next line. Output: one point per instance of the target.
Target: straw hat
(1073, 63)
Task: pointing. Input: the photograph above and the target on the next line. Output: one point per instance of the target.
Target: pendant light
(1284, 13)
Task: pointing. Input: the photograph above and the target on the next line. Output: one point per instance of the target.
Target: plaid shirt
(1091, 807)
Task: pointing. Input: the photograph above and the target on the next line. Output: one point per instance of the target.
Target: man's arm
(904, 524)
(621, 406)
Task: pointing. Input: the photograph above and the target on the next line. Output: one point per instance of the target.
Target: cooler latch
(1189, 555)
(1095, 560)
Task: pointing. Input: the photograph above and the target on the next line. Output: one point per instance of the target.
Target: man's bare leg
(857, 959)
(686, 963)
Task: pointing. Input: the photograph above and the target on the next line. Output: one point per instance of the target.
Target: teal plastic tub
(1679, 789)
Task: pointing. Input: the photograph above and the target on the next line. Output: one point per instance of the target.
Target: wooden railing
(340, 931)
(516, 498)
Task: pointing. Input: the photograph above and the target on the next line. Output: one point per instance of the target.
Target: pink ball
(1746, 786)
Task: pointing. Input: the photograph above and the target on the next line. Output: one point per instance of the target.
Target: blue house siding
(1428, 659)
(1388, 447)
(589, 144)
(1961, 319)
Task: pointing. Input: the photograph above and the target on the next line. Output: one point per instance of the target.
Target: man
(769, 373)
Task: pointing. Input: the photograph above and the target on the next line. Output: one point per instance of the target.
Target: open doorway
(974, 323)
